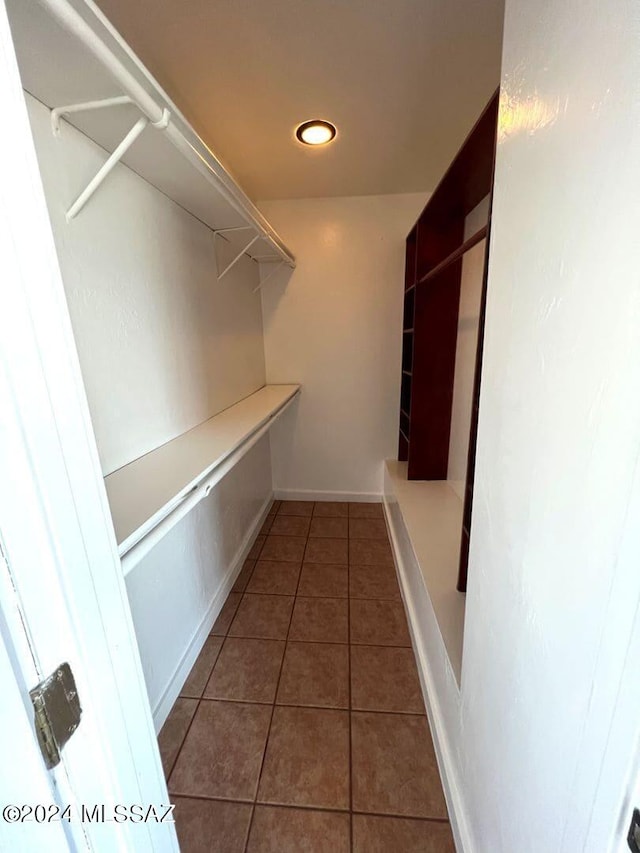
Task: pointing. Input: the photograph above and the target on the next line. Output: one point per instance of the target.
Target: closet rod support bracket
(240, 253)
(272, 273)
(163, 121)
(236, 228)
(58, 112)
(114, 158)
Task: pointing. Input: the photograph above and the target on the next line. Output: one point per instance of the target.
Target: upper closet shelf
(151, 494)
(74, 61)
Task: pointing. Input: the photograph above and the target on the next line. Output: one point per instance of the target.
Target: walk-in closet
(283, 396)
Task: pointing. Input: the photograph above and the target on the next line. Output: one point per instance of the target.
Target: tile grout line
(264, 752)
(193, 716)
(349, 598)
(253, 804)
(350, 697)
(397, 600)
(304, 707)
(244, 592)
(314, 808)
(275, 694)
(199, 702)
(321, 642)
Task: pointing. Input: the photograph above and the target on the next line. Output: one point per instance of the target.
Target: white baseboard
(441, 742)
(308, 495)
(199, 637)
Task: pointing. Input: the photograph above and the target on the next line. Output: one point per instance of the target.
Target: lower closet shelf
(152, 493)
(430, 512)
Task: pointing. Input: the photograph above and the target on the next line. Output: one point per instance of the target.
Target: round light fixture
(315, 132)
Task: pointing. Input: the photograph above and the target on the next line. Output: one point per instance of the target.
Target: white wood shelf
(143, 493)
(58, 68)
(432, 514)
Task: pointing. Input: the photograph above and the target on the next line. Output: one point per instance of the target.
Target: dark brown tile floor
(301, 726)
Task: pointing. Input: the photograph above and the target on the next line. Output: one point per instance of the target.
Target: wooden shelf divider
(468, 244)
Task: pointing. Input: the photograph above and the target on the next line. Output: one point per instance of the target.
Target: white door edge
(67, 591)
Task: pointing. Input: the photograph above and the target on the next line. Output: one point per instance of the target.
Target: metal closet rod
(155, 114)
(74, 23)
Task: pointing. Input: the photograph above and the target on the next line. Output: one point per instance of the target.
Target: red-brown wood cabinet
(435, 249)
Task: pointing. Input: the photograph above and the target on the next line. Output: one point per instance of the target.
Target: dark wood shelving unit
(435, 248)
(469, 243)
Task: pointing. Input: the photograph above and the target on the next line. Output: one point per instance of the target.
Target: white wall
(471, 279)
(172, 590)
(547, 721)
(335, 326)
(163, 346)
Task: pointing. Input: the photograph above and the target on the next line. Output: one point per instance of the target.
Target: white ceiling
(403, 80)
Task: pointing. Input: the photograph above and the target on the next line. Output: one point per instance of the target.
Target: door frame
(63, 597)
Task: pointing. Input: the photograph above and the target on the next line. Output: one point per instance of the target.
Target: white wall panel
(466, 349)
(335, 325)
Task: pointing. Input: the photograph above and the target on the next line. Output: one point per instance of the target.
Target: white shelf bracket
(237, 228)
(240, 253)
(58, 112)
(114, 158)
(273, 272)
(220, 232)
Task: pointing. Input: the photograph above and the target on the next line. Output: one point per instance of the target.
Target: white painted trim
(446, 764)
(177, 680)
(308, 495)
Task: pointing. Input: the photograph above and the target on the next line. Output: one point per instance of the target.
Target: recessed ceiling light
(316, 132)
